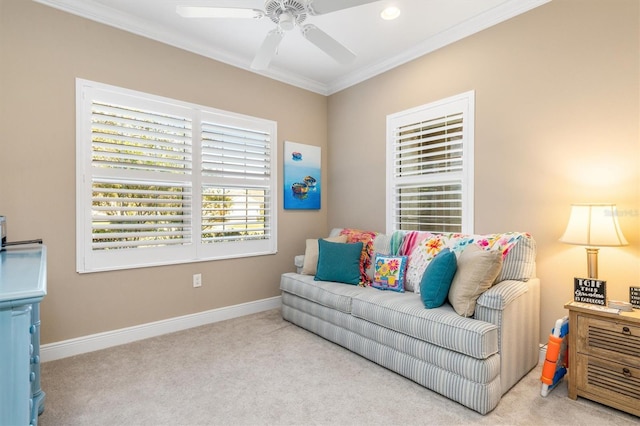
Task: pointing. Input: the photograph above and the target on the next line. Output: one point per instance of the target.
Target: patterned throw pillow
(458, 242)
(419, 259)
(412, 240)
(501, 242)
(427, 249)
(520, 265)
(366, 238)
(518, 250)
(389, 272)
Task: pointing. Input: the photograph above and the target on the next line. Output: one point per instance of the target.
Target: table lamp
(593, 226)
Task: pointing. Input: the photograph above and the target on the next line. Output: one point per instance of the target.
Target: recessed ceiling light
(390, 13)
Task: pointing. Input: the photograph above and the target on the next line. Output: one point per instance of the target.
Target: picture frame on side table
(302, 172)
(634, 296)
(589, 290)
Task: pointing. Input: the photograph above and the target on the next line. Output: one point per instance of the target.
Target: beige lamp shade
(594, 225)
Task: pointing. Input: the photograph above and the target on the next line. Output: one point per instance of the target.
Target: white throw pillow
(311, 253)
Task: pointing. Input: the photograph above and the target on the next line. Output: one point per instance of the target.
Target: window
(430, 167)
(161, 181)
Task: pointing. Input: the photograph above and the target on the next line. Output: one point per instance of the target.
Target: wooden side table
(604, 357)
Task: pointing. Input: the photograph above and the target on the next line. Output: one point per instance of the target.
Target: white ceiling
(423, 26)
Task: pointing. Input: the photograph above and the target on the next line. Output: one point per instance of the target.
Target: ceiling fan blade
(217, 12)
(267, 50)
(327, 44)
(318, 7)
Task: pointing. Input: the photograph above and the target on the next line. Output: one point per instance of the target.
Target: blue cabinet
(23, 285)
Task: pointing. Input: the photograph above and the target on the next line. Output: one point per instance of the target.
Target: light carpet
(262, 370)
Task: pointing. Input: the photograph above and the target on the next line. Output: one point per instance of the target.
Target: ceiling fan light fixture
(286, 21)
(286, 14)
(390, 13)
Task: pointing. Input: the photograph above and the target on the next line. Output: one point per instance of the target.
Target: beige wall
(557, 122)
(42, 52)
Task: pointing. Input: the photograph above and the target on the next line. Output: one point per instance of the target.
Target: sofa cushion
(474, 369)
(477, 270)
(339, 262)
(437, 279)
(310, 264)
(389, 272)
(405, 313)
(330, 294)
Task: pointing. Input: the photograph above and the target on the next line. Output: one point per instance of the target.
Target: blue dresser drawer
(22, 288)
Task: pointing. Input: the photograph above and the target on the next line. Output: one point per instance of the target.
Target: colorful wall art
(302, 168)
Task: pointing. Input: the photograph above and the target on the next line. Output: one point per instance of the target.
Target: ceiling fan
(286, 14)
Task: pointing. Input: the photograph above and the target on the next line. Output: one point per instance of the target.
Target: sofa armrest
(298, 262)
(514, 306)
(501, 294)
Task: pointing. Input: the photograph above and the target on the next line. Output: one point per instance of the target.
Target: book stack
(619, 304)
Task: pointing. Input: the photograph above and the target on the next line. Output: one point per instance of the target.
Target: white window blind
(161, 181)
(236, 169)
(129, 214)
(430, 167)
(134, 153)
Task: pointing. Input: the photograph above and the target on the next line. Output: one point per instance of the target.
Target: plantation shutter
(429, 168)
(236, 190)
(137, 158)
(161, 181)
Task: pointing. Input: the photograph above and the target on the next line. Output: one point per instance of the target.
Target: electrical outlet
(197, 280)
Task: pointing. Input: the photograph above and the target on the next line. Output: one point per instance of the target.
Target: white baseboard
(94, 342)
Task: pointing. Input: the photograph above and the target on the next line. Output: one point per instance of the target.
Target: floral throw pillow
(502, 242)
(419, 259)
(366, 238)
(389, 272)
(458, 242)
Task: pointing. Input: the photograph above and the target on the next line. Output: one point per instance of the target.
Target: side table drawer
(610, 380)
(609, 339)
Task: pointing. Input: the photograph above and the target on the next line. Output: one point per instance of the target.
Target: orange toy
(556, 359)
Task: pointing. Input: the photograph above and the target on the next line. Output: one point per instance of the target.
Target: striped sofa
(471, 360)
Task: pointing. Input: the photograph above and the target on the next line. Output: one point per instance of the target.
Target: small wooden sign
(634, 296)
(587, 290)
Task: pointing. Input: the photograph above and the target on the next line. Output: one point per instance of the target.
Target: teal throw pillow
(437, 279)
(338, 262)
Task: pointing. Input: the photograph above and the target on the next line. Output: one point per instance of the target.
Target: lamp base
(592, 262)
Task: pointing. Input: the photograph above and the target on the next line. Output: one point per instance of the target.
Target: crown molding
(97, 12)
(472, 26)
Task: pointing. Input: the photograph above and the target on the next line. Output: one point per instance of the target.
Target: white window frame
(199, 167)
(462, 104)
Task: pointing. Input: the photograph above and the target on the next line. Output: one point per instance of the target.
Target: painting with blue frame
(302, 168)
